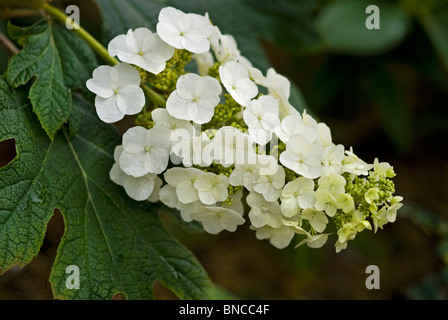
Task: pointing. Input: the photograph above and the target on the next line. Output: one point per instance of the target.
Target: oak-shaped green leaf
(58, 60)
(119, 245)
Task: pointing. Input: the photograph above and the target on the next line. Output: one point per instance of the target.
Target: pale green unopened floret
(227, 114)
(166, 80)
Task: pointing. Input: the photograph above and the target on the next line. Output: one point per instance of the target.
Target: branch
(8, 13)
(81, 32)
(8, 44)
(156, 98)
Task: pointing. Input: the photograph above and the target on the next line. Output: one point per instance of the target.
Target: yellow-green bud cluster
(276, 149)
(143, 74)
(369, 192)
(180, 59)
(227, 114)
(290, 175)
(144, 119)
(341, 218)
(166, 80)
(213, 71)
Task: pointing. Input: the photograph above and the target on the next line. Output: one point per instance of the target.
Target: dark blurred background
(384, 92)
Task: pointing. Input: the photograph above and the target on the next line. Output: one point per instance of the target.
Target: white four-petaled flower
(298, 124)
(235, 79)
(184, 30)
(296, 195)
(138, 188)
(261, 117)
(145, 151)
(212, 188)
(183, 180)
(217, 219)
(117, 90)
(231, 146)
(142, 48)
(263, 212)
(270, 186)
(302, 156)
(195, 98)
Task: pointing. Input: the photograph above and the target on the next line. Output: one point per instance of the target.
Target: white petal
(156, 160)
(260, 135)
(207, 197)
(186, 192)
(100, 83)
(128, 75)
(135, 139)
(200, 24)
(139, 188)
(119, 46)
(250, 116)
(155, 195)
(135, 99)
(132, 164)
(117, 175)
(306, 200)
(317, 241)
(290, 207)
(169, 34)
(176, 175)
(117, 152)
(213, 86)
(168, 196)
(171, 15)
(195, 42)
(107, 109)
(99, 88)
(177, 106)
(204, 115)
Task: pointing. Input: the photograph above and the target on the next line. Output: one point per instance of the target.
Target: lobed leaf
(58, 61)
(119, 245)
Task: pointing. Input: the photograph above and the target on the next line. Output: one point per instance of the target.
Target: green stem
(21, 3)
(156, 98)
(82, 33)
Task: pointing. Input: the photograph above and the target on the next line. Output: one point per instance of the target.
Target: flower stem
(8, 44)
(82, 33)
(156, 98)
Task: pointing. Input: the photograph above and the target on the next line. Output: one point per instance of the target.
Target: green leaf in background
(58, 60)
(389, 99)
(430, 287)
(436, 26)
(230, 16)
(247, 26)
(77, 59)
(119, 245)
(291, 23)
(118, 16)
(342, 25)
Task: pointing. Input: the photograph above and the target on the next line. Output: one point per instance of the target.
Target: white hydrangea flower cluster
(228, 147)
